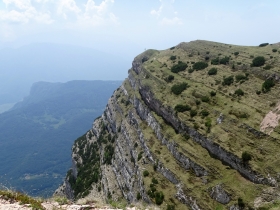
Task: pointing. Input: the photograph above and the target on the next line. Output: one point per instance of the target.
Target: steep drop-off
(183, 131)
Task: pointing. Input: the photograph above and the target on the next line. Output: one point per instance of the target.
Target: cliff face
(196, 148)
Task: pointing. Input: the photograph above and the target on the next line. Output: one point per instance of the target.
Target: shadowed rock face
(146, 150)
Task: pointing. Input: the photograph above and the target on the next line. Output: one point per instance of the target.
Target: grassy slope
(229, 134)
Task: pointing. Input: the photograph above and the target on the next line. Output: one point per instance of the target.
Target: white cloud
(23, 12)
(166, 13)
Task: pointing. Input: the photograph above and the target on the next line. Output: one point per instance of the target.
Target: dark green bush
(177, 89)
(205, 99)
(170, 207)
(258, 61)
(228, 80)
(215, 61)
(240, 77)
(204, 113)
(212, 71)
(200, 65)
(173, 57)
(224, 60)
(138, 196)
(267, 67)
(159, 197)
(181, 66)
(239, 92)
(274, 50)
(190, 70)
(146, 173)
(267, 85)
(182, 108)
(144, 59)
(246, 156)
(154, 181)
(263, 44)
(197, 102)
(172, 48)
(193, 113)
(170, 78)
(258, 92)
(212, 93)
(236, 53)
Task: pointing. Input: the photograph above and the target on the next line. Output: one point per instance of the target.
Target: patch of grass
(21, 198)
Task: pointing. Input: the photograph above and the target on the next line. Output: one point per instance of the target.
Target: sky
(128, 27)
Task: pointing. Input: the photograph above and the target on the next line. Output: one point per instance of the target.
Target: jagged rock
(219, 194)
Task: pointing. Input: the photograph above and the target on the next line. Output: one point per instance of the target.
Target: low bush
(215, 61)
(246, 156)
(200, 65)
(182, 108)
(204, 113)
(170, 78)
(267, 67)
(138, 196)
(159, 197)
(205, 99)
(177, 89)
(173, 57)
(154, 181)
(240, 77)
(212, 71)
(263, 44)
(274, 50)
(239, 92)
(212, 93)
(193, 113)
(236, 53)
(267, 85)
(228, 80)
(190, 70)
(181, 66)
(258, 61)
(146, 173)
(224, 60)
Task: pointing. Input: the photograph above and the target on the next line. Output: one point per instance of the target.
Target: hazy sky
(130, 26)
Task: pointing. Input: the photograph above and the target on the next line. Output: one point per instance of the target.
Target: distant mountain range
(36, 135)
(21, 67)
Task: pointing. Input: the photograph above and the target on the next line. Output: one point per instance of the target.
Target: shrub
(170, 78)
(274, 50)
(197, 102)
(263, 44)
(181, 66)
(258, 92)
(267, 67)
(139, 156)
(212, 71)
(154, 181)
(224, 60)
(205, 99)
(146, 173)
(172, 48)
(212, 93)
(179, 88)
(204, 113)
(200, 65)
(246, 156)
(228, 80)
(193, 113)
(239, 92)
(182, 108)
(138, 196)
(159, 197)
(215, 61)
(170, 207)
(240, 77)
(190, 70)
(267, 85)
(236, 53)
(206, 58)
(258, 61)
(173, 57)
(144, 59)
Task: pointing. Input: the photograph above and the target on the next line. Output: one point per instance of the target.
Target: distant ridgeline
(37, 134)
(193, 127)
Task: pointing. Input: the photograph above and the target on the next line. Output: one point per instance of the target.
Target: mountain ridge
(183, 131)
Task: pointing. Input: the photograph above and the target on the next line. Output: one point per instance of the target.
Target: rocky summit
(192, 127)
